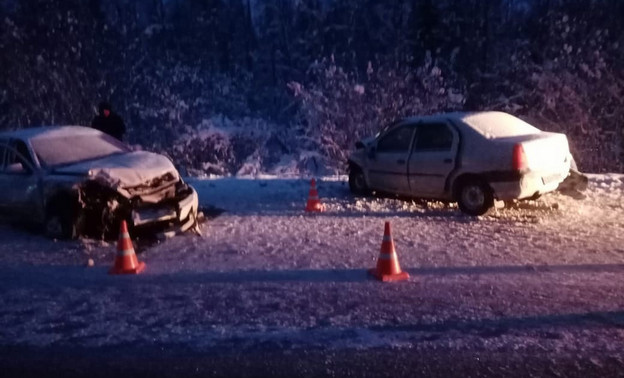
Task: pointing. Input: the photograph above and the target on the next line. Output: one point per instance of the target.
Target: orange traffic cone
(388, 268)
(314, 204)
(126, 261)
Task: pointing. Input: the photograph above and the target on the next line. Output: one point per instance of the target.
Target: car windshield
(67, 149)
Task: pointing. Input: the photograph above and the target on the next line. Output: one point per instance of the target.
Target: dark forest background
(307, 78)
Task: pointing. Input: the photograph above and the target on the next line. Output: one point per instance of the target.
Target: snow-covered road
(543, 275)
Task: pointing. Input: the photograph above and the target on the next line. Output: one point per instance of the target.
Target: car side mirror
(15, 168)
(18, 168)
(371, 152)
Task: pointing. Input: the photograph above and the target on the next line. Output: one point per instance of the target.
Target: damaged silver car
(74, 181)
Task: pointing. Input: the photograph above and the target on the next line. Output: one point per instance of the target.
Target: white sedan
(471, 158)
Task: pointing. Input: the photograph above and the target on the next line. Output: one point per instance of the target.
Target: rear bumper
(526, 185)
(176, 213)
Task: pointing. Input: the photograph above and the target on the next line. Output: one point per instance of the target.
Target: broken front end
(165, 205)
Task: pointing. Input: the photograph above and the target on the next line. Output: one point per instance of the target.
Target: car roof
(45, 132)
(456, 116)
(489, 124)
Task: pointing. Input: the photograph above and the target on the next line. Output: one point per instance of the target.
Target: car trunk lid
(541, 152)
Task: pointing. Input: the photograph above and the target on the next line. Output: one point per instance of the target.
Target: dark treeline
(331, 70)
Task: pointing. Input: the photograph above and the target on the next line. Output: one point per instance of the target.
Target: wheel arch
(356, 170)
(462, 178)
(62, 208)
(352, 165)
(61, 196)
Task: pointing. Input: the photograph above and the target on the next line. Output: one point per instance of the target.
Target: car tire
(474, 197)
(357, 182)
(61, 221)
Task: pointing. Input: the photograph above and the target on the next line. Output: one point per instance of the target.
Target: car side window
(397, 140)
(433, 137)
(22, 150)
(13, 161)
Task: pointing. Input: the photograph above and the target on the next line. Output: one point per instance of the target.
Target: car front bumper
(178, 214)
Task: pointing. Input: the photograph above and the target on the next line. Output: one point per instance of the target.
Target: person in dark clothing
(109, 122)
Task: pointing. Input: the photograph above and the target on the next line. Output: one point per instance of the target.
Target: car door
(433, 157)
(387, 163)
(19, 189)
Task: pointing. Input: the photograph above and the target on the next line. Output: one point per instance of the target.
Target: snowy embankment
(545, 274)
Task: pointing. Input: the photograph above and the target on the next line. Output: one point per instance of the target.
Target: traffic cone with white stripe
(388, 268)
(314, 203)
(126, 261)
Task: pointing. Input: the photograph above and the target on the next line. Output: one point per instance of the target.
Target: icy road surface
(544, 276)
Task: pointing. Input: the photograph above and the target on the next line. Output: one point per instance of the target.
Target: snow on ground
(544, 274)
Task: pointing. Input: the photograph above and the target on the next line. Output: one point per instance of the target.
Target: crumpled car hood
(124, 170)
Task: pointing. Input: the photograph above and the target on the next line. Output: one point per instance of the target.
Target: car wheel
(474, 197)
(357, 182)
(61, 222)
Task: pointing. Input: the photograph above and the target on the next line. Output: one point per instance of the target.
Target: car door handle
(400, 162)
(448, 161)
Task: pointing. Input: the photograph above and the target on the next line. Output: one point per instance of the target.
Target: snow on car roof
(498, 124)
(489, 124)
(44, 132)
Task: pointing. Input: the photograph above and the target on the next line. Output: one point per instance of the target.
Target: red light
(519, 160)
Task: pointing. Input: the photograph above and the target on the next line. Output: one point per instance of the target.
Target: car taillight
(519, 160)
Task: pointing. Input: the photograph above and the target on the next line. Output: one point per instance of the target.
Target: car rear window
(61, 150)
(498, 125)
